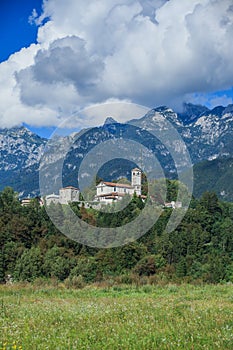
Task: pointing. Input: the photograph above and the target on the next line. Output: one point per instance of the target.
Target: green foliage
(2, 273)
(29, 265)
(85, 267)
(75, 282)
(181, 268)
(118, 260)
(149, 265)
(9, 201)
(209, 201)
(55, 264)
(201, 247)
(215, 175)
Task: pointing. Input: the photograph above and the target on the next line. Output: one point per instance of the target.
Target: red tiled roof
(136, 169)
(113, 184)
(115, 194)
(69, 187)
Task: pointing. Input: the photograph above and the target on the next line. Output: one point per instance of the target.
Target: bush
(29, 265)
(75, 282)
(55, 265)
(149, 265)
(87, 268)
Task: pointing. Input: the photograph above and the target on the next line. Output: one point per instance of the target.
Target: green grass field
(143, 318)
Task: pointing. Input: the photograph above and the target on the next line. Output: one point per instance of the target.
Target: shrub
(149, 265)
(87, 268)
(75, 282)
(29, 265)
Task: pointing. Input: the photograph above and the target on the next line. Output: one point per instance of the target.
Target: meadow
(116, 318)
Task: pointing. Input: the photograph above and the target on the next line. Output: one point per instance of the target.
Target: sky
(58, 57)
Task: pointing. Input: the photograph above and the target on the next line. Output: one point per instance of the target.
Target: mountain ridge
(206, 132)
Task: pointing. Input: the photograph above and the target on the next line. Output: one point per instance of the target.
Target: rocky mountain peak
(110, 120)
(192, 112)
(206, 133)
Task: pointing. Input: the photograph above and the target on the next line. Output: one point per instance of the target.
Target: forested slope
(199, 249)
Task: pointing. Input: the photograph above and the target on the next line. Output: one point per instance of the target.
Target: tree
(87, 268)
(149, 265)
(217, 268)
(55, 264)
(29, 265)
(181, 268)
(2, 274)
(209, 201)
(9, 202)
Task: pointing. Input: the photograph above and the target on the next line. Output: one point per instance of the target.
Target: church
(108, 192)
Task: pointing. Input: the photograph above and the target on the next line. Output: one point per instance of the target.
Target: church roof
(111, 195)
(113, 184)
(69, 187)
(52, 196)
(136, 169)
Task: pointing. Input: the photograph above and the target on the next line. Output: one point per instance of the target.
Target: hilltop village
(106, 193)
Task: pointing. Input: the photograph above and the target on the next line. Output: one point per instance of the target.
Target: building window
(102, 189)
(114, 189)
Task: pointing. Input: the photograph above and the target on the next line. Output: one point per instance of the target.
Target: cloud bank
(149, 52)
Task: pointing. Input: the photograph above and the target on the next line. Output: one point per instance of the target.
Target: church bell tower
(136, 180)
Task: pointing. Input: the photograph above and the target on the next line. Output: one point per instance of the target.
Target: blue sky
(16, 31)
(58, 58)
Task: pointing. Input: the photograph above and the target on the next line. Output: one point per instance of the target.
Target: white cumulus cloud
(150, 52)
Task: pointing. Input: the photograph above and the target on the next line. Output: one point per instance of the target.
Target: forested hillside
(200, 249)
(215, 175)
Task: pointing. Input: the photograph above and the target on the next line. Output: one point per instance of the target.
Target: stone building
(66, 195)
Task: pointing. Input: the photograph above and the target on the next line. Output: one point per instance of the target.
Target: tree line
(199, 250)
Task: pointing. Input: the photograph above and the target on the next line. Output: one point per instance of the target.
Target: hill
(215, 175)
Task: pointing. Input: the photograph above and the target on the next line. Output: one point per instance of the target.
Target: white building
(68, 195)
(173, 205)
(107, 192)
(52, 198)
(27, 201)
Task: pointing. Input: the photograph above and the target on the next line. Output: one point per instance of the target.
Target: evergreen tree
(29, 265)
(2, 274)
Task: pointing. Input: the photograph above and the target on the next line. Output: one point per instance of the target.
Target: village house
(106, 193)
(173, 205)
(27, 201)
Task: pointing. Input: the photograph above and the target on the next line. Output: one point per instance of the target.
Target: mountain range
(207, 134)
